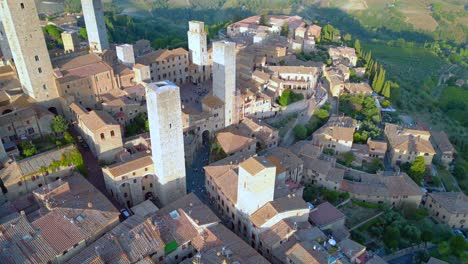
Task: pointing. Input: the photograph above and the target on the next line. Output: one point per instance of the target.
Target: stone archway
(53, 110)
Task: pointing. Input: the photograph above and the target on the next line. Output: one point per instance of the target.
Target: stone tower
(197, 42)
(70, 41)
(4, 46)
(224, 78)
(125, 54)
(95, 25)
(167, 142)
(256, 184)
(28, 49)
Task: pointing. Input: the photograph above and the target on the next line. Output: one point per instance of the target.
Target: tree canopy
(59, 124)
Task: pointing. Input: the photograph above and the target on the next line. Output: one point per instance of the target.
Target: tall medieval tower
(224, 78)
(4, 46)
(95, 25)
(197, 42)
(167, 141)
(28, 49)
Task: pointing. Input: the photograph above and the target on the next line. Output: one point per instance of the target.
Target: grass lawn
(283, 124)
(447, 180)
(456, 94)
(355, 213)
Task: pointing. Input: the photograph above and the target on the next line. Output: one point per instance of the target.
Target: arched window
(112, 133)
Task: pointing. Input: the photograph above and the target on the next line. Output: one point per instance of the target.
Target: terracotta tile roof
(287, 158)
(126, 243)
(95, 120)
(161, 55)
(193, 208)
(278, 232)
(384, 186)
(377, 146)
(410, 140)
(254, 165)
(20, 242)
(58, 231)
(212, 101)
(454, 202)
(299, 254)
(137, 161)
(231, 143)
(293, 70)
(277, 162)
(442, 141)
(325, 214)
(351, 248)
(214, 238)
(278, 206)
(358, 88)
(79, 61)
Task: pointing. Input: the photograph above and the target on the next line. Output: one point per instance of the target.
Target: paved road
(196, 176)
(95, 176)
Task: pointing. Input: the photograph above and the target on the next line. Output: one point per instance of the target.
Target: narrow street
(195, 175)
(95, 176)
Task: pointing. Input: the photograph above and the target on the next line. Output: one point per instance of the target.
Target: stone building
(224, 78)
(343, 55)
(131, 181)
(172, 65)
(185, 231)
(84, 80)
(445, 150)
(336, 134)
(100, 131)
(93, 13)
(450, 208)
(29, 50)
(31, 121)
(246, 190)
(4, 46)
(24, 176)
(407, 144)
(297, 78)
(167, 140)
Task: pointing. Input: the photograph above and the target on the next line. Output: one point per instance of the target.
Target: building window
(36, 57)
(39, 70)
(112, 133)
(102, 136)
(22, 6)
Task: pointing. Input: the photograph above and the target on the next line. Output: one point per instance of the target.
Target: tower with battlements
(28, 49)
(224, 78)
(167, 141)
(95, 25)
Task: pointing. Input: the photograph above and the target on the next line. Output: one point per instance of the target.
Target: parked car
(125, 213)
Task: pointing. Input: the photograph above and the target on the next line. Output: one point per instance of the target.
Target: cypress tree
(386, 89)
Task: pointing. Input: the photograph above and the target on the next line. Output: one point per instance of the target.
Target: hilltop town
(270, 144)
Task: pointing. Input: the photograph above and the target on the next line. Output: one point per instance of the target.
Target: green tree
(83, 33)
(417, 169)
(285, 29)
(348, 158)
(426, 236)
(263, 20)
(386, 89)
(59, 124)
(321, 114)
(72, 6)
(443, 248)
(28, 148)
(68, 137)
(357, 47)
(375, 165)
(300, 132)
(458, 245)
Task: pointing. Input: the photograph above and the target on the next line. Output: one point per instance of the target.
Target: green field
(454, 100)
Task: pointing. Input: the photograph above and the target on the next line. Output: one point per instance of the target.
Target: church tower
(197, 42)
